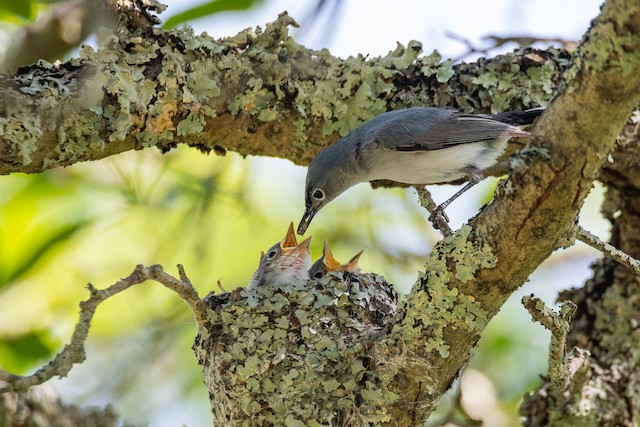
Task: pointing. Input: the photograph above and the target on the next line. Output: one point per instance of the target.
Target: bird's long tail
(519, 118)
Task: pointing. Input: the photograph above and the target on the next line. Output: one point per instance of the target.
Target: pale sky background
(373, 28)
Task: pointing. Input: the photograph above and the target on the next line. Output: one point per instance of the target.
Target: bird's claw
(440, 220)
(439, 214)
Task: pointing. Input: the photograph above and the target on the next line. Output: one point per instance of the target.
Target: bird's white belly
(430, 167)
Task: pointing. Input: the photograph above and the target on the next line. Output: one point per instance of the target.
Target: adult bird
(421, 145)
(284, 262)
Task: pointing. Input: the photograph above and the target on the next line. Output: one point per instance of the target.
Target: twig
(607, 249)
(74, 352)
(222, 289)
(558, 324)
(182, 287)
(439, 221)
(499, 41)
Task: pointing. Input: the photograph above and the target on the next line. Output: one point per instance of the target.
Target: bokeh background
(93, 222)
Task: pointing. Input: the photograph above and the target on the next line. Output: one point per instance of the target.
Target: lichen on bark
(258, 92)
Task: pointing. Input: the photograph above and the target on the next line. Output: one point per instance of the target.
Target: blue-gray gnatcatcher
(421, 145)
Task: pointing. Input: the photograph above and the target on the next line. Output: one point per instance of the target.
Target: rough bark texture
(256, 93)
(261, 93)
(605, 364)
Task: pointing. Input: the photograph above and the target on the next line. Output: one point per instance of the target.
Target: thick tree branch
(257, 93)
(605, 362)
(471, 273)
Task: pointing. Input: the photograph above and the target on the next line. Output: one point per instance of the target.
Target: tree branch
(74, 352)
(42, 406)
(257, 93)
(607, 249)
(471, 273)
(558, 325)
(439, 221)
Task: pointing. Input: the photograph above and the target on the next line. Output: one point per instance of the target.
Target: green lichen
(497, 85)
(169, 83)
(618, 303)
(429, 65)
(193, 124)
(20, 127)
(78, 136)
(445, 71)
(301, 135)
(435, 304)
(267, 348)
(540, 84)
(402, 57)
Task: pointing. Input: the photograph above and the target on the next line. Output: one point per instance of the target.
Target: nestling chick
(284, 262)
(327, 263)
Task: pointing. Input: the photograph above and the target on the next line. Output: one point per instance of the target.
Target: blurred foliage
(209, 8)
(18, 353)
(22, 11)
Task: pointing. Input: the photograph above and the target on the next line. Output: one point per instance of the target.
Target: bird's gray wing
(420, 132)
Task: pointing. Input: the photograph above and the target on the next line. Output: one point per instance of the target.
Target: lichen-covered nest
(298, 354)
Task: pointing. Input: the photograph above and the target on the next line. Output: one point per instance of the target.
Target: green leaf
(20, 353)
(209, 8)
(37, 251)
(22, 8)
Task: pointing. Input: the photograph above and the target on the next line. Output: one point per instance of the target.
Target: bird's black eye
(318, 194)
(271, 254)
(317, 275)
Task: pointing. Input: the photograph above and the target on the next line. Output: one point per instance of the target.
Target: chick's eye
(271, 254)
(318, 194)
(317, 275)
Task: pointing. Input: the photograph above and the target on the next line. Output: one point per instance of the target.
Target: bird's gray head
(330, 173)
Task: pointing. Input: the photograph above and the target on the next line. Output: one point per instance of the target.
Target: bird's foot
(440, 220)
(437, 216)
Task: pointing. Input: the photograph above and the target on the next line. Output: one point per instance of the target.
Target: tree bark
(605, 363)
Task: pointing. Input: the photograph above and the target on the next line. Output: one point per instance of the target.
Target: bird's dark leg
(439, 222)
(474, 175)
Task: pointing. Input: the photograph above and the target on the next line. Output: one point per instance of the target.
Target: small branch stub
(558, 324)
(608, 249)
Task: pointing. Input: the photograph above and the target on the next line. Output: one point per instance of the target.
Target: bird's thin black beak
(306, 219)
